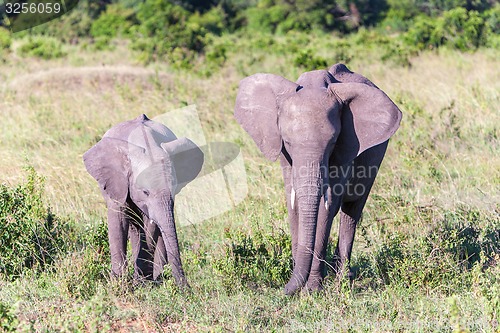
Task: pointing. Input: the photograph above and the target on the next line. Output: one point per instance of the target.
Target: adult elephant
(140, 165)
(330, 130)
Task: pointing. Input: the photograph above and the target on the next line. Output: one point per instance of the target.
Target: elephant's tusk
(325, 196)
(292, 199)
(326, 200)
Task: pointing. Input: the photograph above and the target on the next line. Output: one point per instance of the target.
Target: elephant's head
(141, 162)
(325, 117)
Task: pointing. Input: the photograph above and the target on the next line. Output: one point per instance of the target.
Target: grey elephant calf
(140, 165)
(330, 130)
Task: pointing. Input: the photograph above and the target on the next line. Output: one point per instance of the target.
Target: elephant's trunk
(166, 223)
(307, 179)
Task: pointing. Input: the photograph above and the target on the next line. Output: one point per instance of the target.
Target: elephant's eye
(146, 192)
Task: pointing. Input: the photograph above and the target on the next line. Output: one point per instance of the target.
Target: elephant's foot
(182, 282)
(314, 283)
(293, 286)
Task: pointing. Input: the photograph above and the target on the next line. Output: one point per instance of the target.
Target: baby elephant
(140, 165)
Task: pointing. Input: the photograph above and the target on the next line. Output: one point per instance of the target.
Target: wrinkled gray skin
(140, 165)
(326, 129)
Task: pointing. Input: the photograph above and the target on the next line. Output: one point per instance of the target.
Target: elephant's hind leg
(349, 217)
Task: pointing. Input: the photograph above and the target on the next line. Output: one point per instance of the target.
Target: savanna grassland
(426, 253)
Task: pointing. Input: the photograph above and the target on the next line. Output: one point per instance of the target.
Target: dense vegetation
(178, 31)
(427, 251)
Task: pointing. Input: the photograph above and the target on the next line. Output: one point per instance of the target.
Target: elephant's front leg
(293, 217)
(118, 224)
(323, 228)
(354, 199)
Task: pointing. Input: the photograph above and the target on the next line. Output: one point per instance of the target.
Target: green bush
(42, 47)
(284, 16)
(5, 39)
(395, 20)
(457, 28)
(420, 34)
(29, 232)
(215, 57)
(8, 320)
(443, 257)
(397, 53)
(256, 259)
(266, 19)
(460, 29)
(492, 19)
(114, 22)
(165, 31)
(102, 43)
(368, 12)
(307, 60)
(214, 20)
(83, 272)
(69, 28)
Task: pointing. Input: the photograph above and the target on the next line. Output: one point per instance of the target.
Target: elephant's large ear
(186, 159)
(257, 110)
(369, 117)
(108, 164)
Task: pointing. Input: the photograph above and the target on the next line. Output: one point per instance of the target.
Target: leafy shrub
(29, 232)
(114, 22)
(443, 257)
(421, 33)
(42, 47)
(457, 28)
(8, 320)
(165, 31)
(366, 12)
(257, 259)
(5, 39)
(69, 28)
(215, 57)
(102, 43)
(83, 272)
(398, 54)
(214, 20)
(460, 29)
(284, 16)
(308, 61)
(266, 20)
(395, 20)
(492, 19)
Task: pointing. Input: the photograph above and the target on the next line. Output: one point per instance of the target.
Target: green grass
(427, 249)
